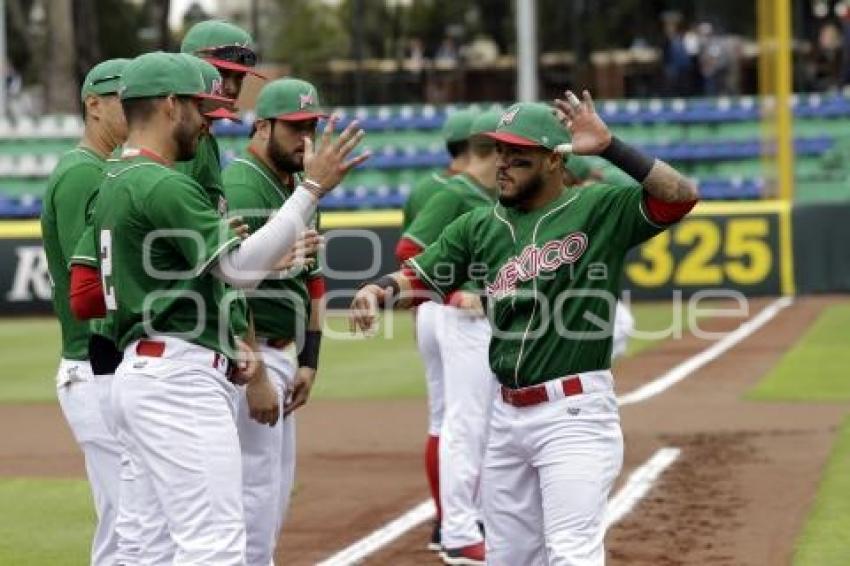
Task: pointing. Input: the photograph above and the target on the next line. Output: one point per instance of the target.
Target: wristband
(309, 354)
(628, 158)
(312, 186)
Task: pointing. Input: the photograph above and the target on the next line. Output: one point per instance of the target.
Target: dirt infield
(737, 495)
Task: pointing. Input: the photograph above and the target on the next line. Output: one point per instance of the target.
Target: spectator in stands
(827, 60)
(678, 63)
(447, 53)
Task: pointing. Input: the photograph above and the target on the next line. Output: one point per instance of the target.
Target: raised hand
(590, 135)
(326, 164)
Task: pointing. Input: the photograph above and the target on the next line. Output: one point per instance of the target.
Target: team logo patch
(306, 100)
(536, 260)
(508, 117)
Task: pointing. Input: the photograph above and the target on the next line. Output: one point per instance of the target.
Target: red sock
(432, 470)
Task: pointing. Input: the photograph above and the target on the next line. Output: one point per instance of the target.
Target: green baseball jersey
(255, 192)
(552, 277)
(63, 220)
(421, 193)
(459, 195)
(205, 168)
(158, 235)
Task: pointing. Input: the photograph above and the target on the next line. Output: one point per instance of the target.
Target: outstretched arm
(591, 136)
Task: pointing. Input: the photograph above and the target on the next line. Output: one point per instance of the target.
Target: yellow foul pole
(776, 82)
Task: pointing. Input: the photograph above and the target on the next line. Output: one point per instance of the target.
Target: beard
(283, 161)
(186, 137)
(524, 193)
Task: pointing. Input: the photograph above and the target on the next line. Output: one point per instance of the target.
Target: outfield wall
(757, 248)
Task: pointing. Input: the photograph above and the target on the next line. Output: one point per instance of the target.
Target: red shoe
(472, 555)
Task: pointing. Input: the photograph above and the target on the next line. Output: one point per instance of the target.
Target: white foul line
(383, 536)
(638, 484)
(708, 355)
(640, 480)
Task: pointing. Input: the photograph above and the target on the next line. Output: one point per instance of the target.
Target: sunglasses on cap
(233, 53)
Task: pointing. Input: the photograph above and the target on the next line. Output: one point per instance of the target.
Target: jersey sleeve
(85, 252)
(625, 208)
(178, 206)
(431, 220)
(444, 265)
(72, 205)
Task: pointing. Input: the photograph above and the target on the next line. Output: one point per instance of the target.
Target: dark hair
(138, 109)
(457, 148)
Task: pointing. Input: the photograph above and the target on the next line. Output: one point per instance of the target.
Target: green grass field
(817, 368)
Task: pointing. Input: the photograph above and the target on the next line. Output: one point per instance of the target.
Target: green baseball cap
(289, 99)
(103, 78)
(223, 44)
(457, 125)
(486, 121)
(530, 124)
(161, 74)
(212, 85)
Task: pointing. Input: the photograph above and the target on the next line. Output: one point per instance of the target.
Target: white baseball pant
(80, 396)
(547, 475)
(468, 384)
(268, 462)
(176, 418)
(429, 348)
(624, 326)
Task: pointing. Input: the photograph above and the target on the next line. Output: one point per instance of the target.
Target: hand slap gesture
(325, 165)
(590, 135)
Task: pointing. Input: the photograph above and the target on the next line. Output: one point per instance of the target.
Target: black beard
(281, 160)
(186, 140)
(524, 194)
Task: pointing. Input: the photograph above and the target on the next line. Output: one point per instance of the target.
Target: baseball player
(579, 172)
(229, 49)
(105, 357)
(165, 256)
(286, 307)
(550, 260)
(462, 336)
(63, 220)
(455, 132)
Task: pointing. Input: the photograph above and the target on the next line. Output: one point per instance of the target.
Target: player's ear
(264, 129)
(93, 106)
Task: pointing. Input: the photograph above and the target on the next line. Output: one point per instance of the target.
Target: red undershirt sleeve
(86, 293)
(662, 212)
(406, 249)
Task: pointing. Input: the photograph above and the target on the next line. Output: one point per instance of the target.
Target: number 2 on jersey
(106, 270)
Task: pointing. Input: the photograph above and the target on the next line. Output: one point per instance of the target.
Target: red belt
(156, 349)
(536, 394)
